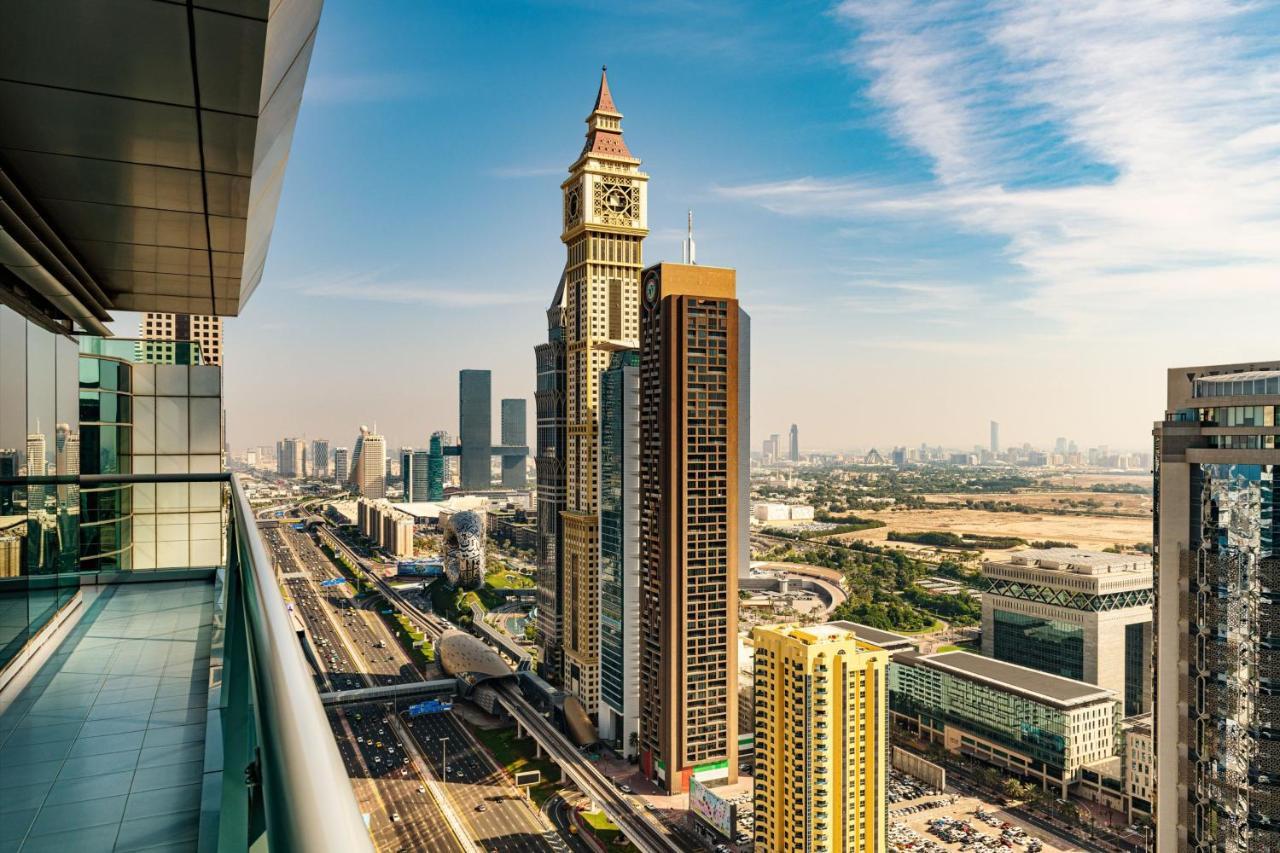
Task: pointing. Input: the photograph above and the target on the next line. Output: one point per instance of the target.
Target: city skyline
(883, 252)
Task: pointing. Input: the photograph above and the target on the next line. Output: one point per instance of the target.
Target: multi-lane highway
(402, 814)
(355, 649)
(496, 815)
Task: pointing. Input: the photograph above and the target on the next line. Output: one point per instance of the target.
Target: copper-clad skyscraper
(689, 524)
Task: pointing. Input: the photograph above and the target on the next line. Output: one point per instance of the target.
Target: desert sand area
(1086, 531)
(1128, 504)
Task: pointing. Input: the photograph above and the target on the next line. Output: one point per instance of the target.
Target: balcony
(176, 709)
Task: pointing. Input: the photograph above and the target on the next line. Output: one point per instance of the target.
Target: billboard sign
(714, 811)
(525, 778)
(420, 568)
(431, 706)
(334, 582)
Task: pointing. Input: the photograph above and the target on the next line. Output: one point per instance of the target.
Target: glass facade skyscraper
(620, 551)
(513, 436)
(1217, 721)
(549, 463)
(475, 428)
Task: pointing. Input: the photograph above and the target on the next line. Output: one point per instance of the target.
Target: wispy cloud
(1126, 154)
(377, 288)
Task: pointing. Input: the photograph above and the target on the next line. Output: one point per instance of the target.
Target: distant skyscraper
(604, 225)
(341, 464)
(549, 460)
(995, 437)
(290, 461)
(159, 331)
(769, 450)
(435, 467)
(37, 465)
(821, 740)
(353, 473)
(475, 416)
(514, 435)
(689, 519)
(320, 457)
(794, 455)
(415, 473)
(369, 468)
(1217, 530)
(620, 550)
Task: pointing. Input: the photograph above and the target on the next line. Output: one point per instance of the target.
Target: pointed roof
(604, 125)
(604, 99)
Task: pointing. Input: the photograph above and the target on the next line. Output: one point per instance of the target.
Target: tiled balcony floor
(104, 749)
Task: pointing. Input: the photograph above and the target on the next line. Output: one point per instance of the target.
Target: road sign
(525, 778)
(431, 706)
(334, 582)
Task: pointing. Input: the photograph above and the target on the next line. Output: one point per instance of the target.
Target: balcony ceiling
(151, 137)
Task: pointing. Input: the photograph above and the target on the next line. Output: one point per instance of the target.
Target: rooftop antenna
(690, 248)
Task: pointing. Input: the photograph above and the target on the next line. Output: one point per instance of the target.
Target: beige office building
(369, 469)
(821, 740)
(1080, 614)
(159, 331)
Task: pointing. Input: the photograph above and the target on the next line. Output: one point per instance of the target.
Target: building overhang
(143, 148)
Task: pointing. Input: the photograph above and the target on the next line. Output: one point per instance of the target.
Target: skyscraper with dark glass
(620, 551)
(1217, 526)
(513, 436)
(549, 450)
(435, 468)
(475, 426)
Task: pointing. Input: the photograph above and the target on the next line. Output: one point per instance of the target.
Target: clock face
(616, 201)
(573, 204)
(650, 288)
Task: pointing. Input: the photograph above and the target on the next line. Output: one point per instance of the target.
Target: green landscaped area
(517, 754)
(500, 577)
(601, 827)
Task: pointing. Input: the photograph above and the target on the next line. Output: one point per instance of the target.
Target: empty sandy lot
(1087, 531)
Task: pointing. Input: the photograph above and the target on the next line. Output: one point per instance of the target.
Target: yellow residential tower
(821, 741)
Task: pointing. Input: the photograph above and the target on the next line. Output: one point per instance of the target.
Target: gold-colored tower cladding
(605, 221)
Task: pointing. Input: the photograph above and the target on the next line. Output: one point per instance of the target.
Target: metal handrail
(308, 802)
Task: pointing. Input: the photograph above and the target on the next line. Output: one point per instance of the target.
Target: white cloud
(1125, 153)
(377, 288)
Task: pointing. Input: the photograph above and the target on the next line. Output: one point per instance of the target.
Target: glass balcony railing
(196, 667)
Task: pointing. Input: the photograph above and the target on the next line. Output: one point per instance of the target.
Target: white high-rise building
(369, 471)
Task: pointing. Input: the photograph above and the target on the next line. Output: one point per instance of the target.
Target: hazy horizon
(940, 216)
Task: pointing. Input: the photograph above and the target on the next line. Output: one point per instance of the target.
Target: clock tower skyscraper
(604, 225)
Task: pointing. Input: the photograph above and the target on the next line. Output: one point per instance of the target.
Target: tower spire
(690, 248)
(604, 125)
(604, 99)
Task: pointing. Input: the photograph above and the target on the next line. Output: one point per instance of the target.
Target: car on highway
(482, 808)
(395, 817)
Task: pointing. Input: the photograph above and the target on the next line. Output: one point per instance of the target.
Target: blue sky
(940, 212)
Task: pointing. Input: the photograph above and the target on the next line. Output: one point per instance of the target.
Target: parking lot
(951, 822)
